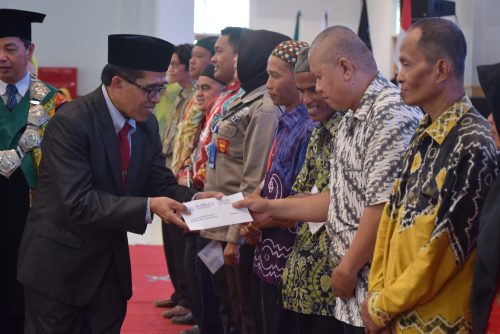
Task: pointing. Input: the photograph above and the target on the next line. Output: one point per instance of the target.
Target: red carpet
(150, 281)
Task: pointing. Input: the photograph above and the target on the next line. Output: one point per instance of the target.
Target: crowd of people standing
(374, 206)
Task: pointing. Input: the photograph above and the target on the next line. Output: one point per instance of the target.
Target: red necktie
(124, 152)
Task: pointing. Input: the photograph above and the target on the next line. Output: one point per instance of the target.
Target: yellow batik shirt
(421, 274)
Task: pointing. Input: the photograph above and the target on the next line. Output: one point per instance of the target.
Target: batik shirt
(164, 109)
(168, 135)
(186, 131)
(285, 162)
(306, 278)
(365, 161)
(425, 251)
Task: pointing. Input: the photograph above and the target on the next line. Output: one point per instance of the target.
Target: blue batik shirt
(285, 162)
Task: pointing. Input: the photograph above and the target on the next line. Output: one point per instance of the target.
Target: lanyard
(273, 151)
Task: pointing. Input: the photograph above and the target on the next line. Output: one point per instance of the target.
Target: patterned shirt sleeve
(388, 138)
(376, 278)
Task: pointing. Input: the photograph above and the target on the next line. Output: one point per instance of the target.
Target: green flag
(297, 26)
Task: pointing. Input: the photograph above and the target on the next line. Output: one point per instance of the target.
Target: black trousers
(192, 279)
(174, 248)
(239, 281)
(14, 207)
(317, 324)
(349, 329)
(104, 314)
(219, 284)
(210, 321)
(271, 317)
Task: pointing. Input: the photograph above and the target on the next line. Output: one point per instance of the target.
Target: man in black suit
(102, 174)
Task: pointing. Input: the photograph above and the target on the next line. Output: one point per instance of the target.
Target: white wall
(175, 20)
(481, 26)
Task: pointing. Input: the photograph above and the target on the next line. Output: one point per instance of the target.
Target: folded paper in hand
(212, 256)
(213, 212)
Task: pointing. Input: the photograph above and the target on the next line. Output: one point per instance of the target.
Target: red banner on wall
(60, 77)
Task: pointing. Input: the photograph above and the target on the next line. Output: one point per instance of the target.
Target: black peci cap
(207, 43)
(17, 23)
(209, 72)
(139, 52)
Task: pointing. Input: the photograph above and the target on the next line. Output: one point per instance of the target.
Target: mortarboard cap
(17, 23)
(139, 52)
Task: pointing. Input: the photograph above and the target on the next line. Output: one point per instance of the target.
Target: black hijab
(255, 48)
(489, 78)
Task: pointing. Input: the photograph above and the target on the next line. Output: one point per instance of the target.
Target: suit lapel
(110, 139)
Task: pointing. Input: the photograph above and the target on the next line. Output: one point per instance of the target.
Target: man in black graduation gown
(26, 105)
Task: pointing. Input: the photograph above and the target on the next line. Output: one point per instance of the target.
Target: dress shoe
(194, 330)
(186, 319)
(178, 310)
(169, 303)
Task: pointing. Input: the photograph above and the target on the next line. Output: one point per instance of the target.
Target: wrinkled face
(494, 131)
(14, 58)
(133, 101)
(318, 110)
(224, 59)
(207, 91)
(200, 58)
(281, 82)
(176, 70)
(416, 76)
(330, 82)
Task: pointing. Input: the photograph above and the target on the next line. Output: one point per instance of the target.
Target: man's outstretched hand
(258, 206)
(169, 210)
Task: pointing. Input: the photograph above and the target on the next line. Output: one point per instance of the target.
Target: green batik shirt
(306, 277)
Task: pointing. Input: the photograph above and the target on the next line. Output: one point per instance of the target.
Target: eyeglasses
(151, 92)
(175, 65)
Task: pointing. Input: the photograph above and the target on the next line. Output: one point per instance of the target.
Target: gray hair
(442, 38)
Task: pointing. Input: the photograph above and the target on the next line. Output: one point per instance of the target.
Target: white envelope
(212, 212)
(212, 256)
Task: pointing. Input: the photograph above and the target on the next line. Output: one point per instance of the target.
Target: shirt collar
(233, 86)
(441, 127)
(116, 116)
(369, 96)
(186, 92)
(292, 117)
(22, 85)
(332, 124)
(254, 94)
